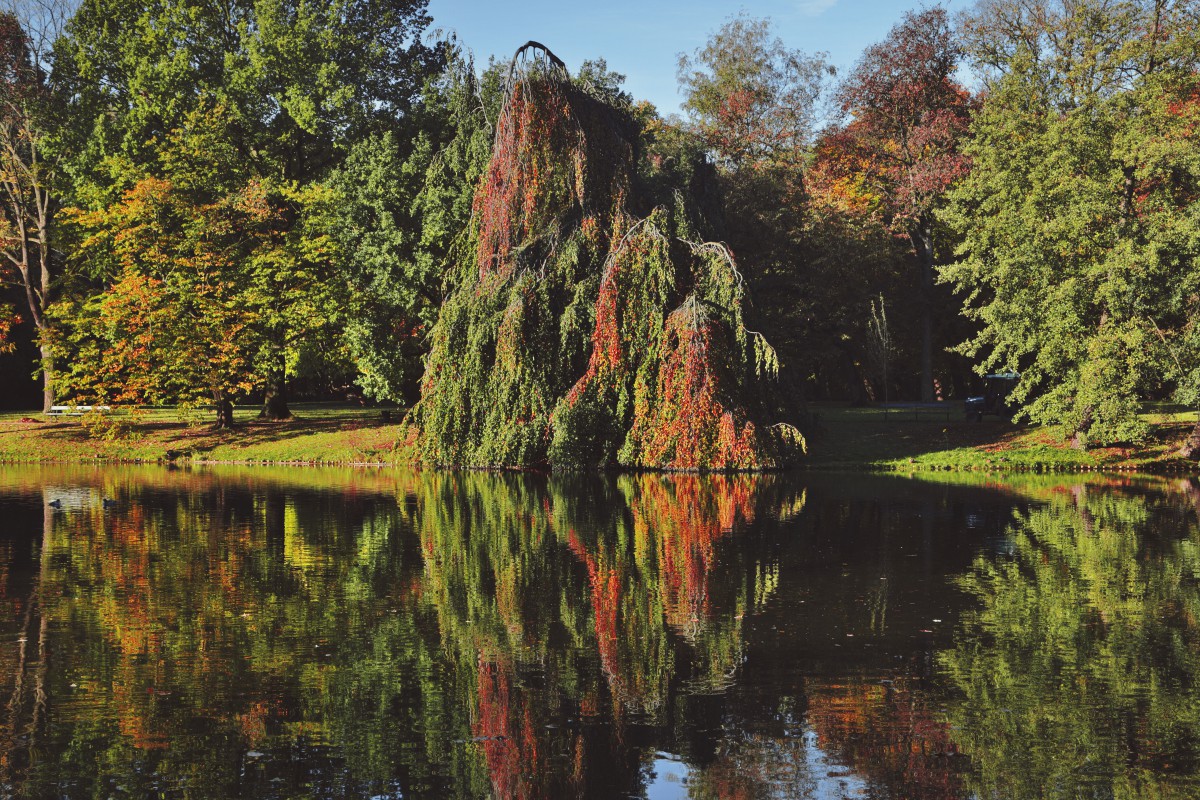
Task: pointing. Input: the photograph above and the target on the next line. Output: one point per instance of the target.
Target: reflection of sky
(830, 778)
(669, 778)
(826, 778)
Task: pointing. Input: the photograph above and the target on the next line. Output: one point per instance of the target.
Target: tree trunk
(224, 411)
(1191, 448)
(47, 377)
(923, 243)
(275, 405)
(854, 380)
(1079, 437)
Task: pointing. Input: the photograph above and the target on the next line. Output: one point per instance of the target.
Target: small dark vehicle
(994, 400)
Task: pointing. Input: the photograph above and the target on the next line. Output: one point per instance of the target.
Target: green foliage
(400, 218)
(212, 285)
(223, 101)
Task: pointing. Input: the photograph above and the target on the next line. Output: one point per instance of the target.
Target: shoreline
(847, 440)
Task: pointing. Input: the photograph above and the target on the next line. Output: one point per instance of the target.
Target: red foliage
(539, 167)
(605, 582)
(909, 113)
(692, 424)
(690, 515)
(507, 734)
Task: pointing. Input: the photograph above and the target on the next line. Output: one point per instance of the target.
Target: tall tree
(28, 197)
(754, 105)
(400, 216)
(908, 117)
(1079, 219)
(577, 334)
(751, 98)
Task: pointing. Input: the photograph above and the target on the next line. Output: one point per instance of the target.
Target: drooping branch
(534, 55)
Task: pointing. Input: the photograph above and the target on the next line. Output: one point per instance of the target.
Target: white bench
(76, 411)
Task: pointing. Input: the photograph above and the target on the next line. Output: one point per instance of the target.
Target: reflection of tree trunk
(1079, 492)
(275, 406)
(18, 737)
(1191, 490)
(16, 701)
(275, 513)
(39, 680)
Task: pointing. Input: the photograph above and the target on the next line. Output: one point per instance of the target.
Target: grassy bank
(845, 438)
(318, 434)
(925, 439)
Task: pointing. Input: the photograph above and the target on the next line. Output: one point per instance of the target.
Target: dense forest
(208, 203)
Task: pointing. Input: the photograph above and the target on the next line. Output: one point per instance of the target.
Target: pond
(288, 633)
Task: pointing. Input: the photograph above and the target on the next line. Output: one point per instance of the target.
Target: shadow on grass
(263, 432)
(865, 435)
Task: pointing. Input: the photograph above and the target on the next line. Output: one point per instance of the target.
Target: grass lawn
(320, 433)
(925, 440)
(905, 439)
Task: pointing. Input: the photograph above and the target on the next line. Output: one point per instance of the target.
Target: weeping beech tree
(587, 325)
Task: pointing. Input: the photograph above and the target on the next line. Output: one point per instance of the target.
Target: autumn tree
(750, 97)
(908, 116)
(588, 324)
(300, 84)
(204, 266)
(1079, 257)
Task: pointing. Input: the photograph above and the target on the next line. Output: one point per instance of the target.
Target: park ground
(903, 439)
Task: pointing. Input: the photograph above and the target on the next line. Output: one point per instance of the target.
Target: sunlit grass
(324, 433)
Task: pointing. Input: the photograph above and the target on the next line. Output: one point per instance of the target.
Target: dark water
(304, 633)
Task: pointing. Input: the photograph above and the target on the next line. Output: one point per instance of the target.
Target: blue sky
(643, 39)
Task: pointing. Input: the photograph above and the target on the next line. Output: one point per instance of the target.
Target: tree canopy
(1078, 217)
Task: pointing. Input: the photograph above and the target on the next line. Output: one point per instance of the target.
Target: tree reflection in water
(435, 634)
(244, 633)
(1078, 674)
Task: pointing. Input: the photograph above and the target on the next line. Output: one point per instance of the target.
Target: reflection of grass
(320, 433)
(864, 437)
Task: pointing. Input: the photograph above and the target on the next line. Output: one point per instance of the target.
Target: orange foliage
(888, 732)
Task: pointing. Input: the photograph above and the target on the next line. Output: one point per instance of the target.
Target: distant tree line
(206, 202)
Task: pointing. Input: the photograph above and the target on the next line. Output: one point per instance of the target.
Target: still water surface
(308, 633)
